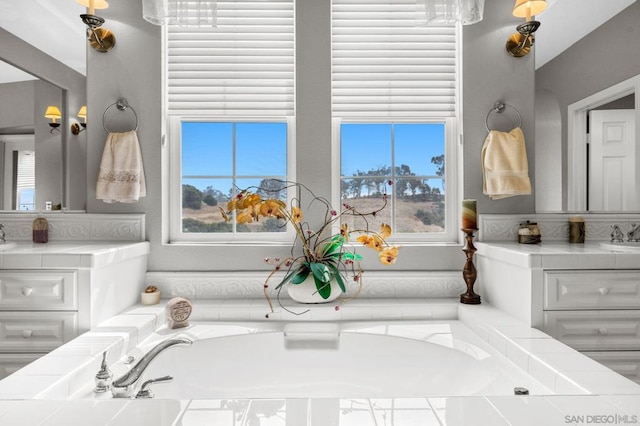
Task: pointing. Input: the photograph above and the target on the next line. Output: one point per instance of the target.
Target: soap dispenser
(40, 230)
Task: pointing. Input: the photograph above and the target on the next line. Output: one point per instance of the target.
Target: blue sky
(207, 150)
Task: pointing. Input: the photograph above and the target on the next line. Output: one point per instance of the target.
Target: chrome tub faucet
(634, 234)
(123, 387)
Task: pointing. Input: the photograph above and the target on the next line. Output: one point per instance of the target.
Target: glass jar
(40, 230)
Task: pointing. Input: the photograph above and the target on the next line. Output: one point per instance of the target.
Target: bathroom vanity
(51, 293)
(585, 295)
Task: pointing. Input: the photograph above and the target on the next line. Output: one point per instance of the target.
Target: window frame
(175, 184)
(452, 167)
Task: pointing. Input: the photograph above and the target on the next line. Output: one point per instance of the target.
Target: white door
(612, 171)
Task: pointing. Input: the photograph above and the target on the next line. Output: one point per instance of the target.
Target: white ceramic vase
(306, 291)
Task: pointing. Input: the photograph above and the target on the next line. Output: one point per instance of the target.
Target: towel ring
(122, 105)
(499, 108)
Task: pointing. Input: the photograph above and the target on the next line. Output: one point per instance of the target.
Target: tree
(210, 200)
(191, 197)
(272, 188)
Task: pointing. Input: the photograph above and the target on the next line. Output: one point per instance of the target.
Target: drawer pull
(603, 331)
(26, 291)
(27, 333)
(603, 291)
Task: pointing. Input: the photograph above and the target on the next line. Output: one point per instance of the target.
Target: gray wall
(49, 146)
(16, 105)
(599, 60)
(133, 70)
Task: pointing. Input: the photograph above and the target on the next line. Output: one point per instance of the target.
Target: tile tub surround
(74, 227)
(554, 227)
(586, 388)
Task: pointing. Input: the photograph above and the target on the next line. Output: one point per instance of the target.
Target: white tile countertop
(558, 255)
(68, 254)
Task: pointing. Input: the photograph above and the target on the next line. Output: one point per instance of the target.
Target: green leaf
(334, 244)
(320, 271)
(301, 274)
(337, 277)
(322, 278)
(351, 256)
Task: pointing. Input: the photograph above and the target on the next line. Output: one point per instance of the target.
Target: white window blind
(243, 67)
(385, 64)
(26, 176)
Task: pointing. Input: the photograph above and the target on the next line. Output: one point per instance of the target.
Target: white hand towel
(121, 177)
(504, 165)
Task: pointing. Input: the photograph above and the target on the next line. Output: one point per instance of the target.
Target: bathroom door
(612, 166)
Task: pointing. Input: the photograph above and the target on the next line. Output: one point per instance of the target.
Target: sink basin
(7, 245)
(624, 246)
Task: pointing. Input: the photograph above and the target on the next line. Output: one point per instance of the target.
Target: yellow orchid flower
(371, 241)
(296, 215)
(249, 200)
(388, 256)
(244, 217)
(385, 231)
(269, 208)
(344, 231)
(224, 214)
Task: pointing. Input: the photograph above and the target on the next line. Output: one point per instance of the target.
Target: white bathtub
(332, 360)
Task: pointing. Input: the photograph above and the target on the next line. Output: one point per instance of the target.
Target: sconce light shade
(83, 113)
(77, 128)
(527, 8)
(97, 4)
(53, 113)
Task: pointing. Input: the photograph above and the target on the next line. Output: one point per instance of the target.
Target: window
(229, 99)
(218, 158)
(394, 93)
(403, 160)
(394, 90)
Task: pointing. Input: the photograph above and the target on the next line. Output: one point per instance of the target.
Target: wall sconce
(101, 39)
(53, 113)
(77, 128)
(520, 43)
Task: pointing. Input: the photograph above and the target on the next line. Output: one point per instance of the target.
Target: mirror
(573, 90)
(603, 150)
(60, 156)
(31, 173)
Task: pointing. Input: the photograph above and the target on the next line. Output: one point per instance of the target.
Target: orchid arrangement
(325, 253)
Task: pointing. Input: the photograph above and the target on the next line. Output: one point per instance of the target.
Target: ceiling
(567, 21)
(54, 27)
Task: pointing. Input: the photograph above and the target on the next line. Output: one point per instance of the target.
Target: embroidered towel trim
(121, 177)
(505, 168)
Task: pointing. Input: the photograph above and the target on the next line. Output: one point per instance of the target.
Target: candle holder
(469, 272)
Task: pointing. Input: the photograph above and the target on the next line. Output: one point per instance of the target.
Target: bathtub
(330, 360)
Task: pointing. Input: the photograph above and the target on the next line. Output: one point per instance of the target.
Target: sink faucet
(634, 234)
(616, 234)
(124, 386)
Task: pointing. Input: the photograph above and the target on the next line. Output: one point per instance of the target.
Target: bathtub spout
(123, 387)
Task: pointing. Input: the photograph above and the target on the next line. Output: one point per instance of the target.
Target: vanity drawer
(10, 363)
(625, 363)
(595, 330)
(38, 290)
(36, 331)
(592, 290)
